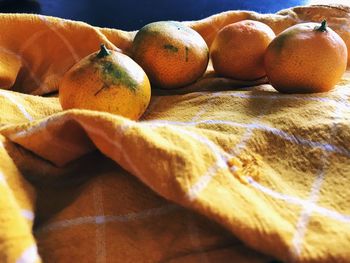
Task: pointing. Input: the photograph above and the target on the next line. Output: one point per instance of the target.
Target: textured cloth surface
(221, 174)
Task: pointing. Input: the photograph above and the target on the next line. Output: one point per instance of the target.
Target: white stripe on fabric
(242, 144)
(300, 202)
(221, 157)
(100, 241)
(21, 108)
(206, 178)
(102, 219)
(62, 37)
(198, 114)
(221, 161)
(50, 139)
(2, 179)
(273, 96)
(304, 218)
(30, 255)
(2, 176)
(101, 133)
(203, 181)
(279, 96)
(27, 214)
(32, 39)
(25, 64)
(33, 129)
(289, 137)
(265, 95)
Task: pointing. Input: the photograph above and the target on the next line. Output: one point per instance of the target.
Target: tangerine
(172, 54)
(238, 50)
(106, 80)
(305, 58)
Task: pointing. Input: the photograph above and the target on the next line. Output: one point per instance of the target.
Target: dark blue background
(133, 14)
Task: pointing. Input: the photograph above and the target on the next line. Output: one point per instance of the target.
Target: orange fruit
(306, 57)
(109, 81)
(238, 50)
(172, 54)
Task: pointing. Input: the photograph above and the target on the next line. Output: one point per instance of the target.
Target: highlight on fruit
(238, 50)
(108, 81)
(306, 58)
(172, 54)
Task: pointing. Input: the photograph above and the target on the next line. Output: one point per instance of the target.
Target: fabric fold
(216, 172)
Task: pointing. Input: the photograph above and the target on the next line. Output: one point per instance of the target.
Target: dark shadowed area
(133, 14)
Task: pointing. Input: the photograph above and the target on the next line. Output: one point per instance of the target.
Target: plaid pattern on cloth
(221, 174)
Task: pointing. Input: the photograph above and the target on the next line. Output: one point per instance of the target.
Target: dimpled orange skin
(172, 54)
(302, 59)
(238, 50)
(113, 83)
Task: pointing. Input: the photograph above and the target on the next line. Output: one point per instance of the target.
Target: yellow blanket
(220, 174)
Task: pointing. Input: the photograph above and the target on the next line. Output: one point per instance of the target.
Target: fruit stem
(323, 26)
(103, 51)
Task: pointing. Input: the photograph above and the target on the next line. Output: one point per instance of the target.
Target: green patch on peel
(171, 48)
(112, 74)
